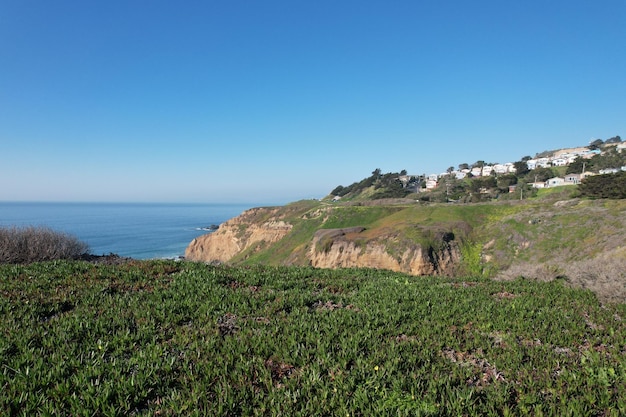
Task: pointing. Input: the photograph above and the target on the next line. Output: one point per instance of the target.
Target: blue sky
(275, 101)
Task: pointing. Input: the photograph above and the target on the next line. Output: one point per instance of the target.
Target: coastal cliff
(581, 242)
(343, 248)
(257, 226)
(307, 240)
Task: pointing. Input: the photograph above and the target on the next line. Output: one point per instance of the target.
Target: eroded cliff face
(342, 248)
(258, 229)
(256, 226)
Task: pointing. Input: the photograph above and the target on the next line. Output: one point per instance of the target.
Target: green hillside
(547, 237)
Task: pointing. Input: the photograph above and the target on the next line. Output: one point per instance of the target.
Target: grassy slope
(580, 241)
(412, 222)
(167, 338)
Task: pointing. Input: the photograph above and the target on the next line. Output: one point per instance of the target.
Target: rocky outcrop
(342, 248)
(254, 228)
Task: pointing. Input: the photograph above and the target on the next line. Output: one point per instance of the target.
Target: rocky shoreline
(110, 259)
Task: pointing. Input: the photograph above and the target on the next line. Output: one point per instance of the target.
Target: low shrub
(471, 260)
(33, 244)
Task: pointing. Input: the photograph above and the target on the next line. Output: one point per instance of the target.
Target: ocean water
(140, 231)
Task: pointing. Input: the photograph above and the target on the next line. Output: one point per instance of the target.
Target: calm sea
(141, 231)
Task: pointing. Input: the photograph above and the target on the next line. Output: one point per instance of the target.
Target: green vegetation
(471, 261)
(349, 216)
(160, 338)
(378, 186)
(31, 244)
(604, 186)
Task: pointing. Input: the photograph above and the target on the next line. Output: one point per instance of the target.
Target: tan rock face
(235, 236)
(342, 252)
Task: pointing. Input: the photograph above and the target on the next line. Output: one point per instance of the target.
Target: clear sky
(276, 101)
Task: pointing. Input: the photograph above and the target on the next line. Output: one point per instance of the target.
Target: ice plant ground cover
(176, 338)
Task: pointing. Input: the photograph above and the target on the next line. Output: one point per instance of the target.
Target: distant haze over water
(137, 230)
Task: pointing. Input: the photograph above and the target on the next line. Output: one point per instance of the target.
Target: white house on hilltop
(502, 168)
(572, 179)
(560, 162)
(555, 182)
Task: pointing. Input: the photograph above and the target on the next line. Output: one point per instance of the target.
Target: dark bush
(604, 186)
(32, 244)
